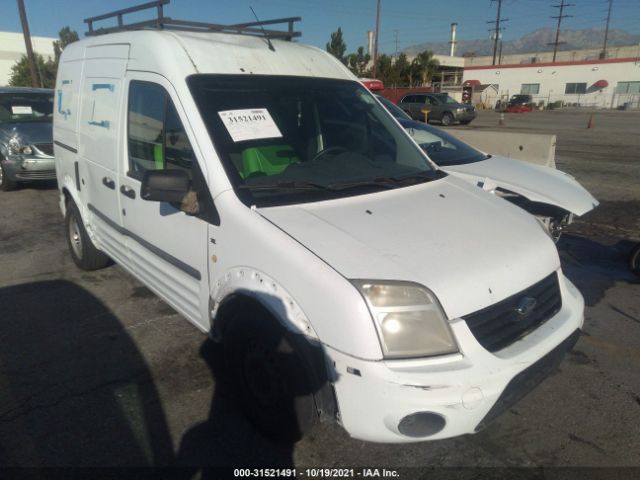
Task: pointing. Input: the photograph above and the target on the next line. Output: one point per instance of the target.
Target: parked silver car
(441, 107)
(26, 145)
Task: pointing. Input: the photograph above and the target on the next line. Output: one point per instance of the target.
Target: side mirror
(165, 185)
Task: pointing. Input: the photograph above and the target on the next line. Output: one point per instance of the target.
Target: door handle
(109, 183)
(128, 191)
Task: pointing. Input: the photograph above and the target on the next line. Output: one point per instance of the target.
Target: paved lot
(96, 370)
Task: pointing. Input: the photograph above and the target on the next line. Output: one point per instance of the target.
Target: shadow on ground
(595, 266)
(74, 389)
(226, 438)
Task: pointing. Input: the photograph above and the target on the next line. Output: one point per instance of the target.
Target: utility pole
(606, 32)
(375, 45)
(559, 17)
(497, 29)
(27, 44)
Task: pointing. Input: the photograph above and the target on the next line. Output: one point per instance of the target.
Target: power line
(559, 17)
(497, 29)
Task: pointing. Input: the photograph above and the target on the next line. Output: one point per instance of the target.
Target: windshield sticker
(17, 110)
(249, 124)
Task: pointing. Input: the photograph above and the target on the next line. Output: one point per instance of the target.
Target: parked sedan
(26, 148)
(441, 107)
(554, 197)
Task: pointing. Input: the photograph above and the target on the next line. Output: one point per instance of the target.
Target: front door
(167, 247)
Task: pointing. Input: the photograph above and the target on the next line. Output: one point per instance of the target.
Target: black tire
(447, 119)
(269, 376)
(634, 260)
(84, 253)
(6, 184)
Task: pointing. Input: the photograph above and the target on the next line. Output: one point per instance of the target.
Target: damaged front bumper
(413, 400)
(27, 168)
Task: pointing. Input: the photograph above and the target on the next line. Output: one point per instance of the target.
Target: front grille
(36, 175)
(499, 325)
(46, 148)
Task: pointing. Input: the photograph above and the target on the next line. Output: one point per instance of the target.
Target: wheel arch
(320, 373)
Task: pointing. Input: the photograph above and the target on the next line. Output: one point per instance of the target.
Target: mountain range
(536, 41)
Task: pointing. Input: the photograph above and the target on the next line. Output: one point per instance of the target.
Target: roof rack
(166, 23)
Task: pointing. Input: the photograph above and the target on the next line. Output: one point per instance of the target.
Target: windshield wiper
(377, 182)
(390, 182)
(293, 185)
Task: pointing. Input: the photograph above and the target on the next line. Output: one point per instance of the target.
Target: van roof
(179, 54)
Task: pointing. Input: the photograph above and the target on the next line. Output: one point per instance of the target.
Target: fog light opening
(421, 424)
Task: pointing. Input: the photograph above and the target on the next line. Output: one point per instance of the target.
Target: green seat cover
(267, 160)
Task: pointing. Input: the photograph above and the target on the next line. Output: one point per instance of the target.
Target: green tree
(402, 70)
(66, 36)
(336, 46)
(46, 68)
(21, 74)
(358, 62)
(386, 71)
(423, 67)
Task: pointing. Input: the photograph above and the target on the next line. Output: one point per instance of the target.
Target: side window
(409, 99)
(431, 101)
(156, 136)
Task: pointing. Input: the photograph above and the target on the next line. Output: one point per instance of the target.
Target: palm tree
(424, 66)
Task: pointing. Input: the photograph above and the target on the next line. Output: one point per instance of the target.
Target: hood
(31, 132)
(469, 247)
(535, 182)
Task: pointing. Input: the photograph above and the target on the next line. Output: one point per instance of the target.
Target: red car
(519, 104)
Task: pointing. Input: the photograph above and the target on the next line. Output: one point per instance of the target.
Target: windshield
(26, 107)
(286, 140)
(442, 148)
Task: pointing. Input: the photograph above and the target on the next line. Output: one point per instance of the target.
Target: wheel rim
(75, 238)
(446, 120)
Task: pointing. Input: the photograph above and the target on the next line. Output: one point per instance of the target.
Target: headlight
(408, 317)
(16, 147)
(460, 110)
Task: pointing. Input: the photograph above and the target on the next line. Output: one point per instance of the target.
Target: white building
(12, 48)
(596, 83)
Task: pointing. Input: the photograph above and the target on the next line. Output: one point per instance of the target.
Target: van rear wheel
(270, 380)
(84, 253)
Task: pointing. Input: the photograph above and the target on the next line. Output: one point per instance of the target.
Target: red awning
(601, 84)
(372, 84)
(471, 83)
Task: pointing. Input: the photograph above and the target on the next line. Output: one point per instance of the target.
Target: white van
(259, 189)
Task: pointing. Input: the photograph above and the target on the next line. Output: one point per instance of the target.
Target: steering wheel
(335, 150)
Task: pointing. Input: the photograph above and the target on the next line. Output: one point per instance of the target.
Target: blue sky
(416, 21)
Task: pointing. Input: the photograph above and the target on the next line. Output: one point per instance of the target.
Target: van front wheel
(85, 255)
(268, 375)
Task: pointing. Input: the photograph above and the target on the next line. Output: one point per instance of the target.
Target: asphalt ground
(95, 370)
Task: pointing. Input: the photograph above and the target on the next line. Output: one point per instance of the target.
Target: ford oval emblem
(526, 306)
